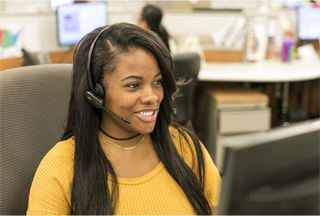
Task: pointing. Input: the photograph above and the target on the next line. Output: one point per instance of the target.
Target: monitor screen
(293, 3)
(56, 3)
(309, 23)
(272, 173)
(77, 20)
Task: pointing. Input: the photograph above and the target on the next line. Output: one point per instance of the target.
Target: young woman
(121, 153)
(150, 17)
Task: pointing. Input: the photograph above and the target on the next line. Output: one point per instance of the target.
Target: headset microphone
(98, 103)
(96, 95)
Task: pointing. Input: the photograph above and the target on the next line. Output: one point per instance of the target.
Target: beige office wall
(24, 6)
(35, 6)
(219, 4)
(121, 6)
(195, 23)
(246, 4)
(188, 5)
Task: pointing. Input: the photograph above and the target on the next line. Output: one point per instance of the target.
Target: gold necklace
(121, 146)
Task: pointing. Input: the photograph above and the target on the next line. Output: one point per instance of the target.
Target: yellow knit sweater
(156, 193)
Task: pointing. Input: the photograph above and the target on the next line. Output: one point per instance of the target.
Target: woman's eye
(158, 82)
(133, 86)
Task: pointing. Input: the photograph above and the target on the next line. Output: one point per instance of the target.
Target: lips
(147, 115)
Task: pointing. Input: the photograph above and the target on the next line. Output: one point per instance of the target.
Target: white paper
(241, 38)
(235, 30)
(218, 36)
(307, 52)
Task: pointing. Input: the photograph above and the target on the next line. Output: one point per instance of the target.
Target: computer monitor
(272, 173)
(56, 3)
(292, 3)
(309, 23)
(77, 20)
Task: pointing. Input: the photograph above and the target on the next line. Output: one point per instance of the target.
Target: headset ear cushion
(99, 90)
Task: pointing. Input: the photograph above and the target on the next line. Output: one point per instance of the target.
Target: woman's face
(133, 91)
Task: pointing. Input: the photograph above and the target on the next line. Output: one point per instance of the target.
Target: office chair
(33, 106)
(187, 65)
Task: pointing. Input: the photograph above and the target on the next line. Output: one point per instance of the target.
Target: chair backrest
(187, 65)
(33, 107)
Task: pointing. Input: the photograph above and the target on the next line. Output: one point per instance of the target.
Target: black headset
(96, 94)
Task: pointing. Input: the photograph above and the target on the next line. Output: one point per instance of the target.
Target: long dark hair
(153, 16)
(90, 193)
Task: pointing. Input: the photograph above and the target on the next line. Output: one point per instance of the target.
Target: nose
(149, 99)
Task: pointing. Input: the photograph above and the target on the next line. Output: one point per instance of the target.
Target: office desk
(266, 71)
(262, 72)
(56, 57)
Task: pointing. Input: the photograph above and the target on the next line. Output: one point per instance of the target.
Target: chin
(146, 129)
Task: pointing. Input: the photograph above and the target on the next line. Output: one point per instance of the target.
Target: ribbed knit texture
(153, 194)
(33, 107)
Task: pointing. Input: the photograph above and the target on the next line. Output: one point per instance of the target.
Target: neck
(132, 163)
(119, 139)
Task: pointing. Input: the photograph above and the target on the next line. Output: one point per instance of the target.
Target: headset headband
(89, 58)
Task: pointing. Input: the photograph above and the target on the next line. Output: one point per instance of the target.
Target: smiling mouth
(147, 115)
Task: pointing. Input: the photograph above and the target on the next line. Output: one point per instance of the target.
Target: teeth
(146, 113)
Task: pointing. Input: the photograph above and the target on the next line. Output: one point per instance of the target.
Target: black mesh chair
(187, 66)
(33, 107)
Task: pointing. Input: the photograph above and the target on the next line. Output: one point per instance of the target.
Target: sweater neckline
(142, 179)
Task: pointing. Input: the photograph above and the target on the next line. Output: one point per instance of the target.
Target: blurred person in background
(150, 17)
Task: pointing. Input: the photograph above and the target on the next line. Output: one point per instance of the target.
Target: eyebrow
(139, 77)
(158, 74)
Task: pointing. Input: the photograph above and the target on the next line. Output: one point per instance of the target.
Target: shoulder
(50, 189)
(58, 162)
(188, 153)
(179, 138)
(59, 159)
(187, 148)
(63, 150)
(184, 145)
